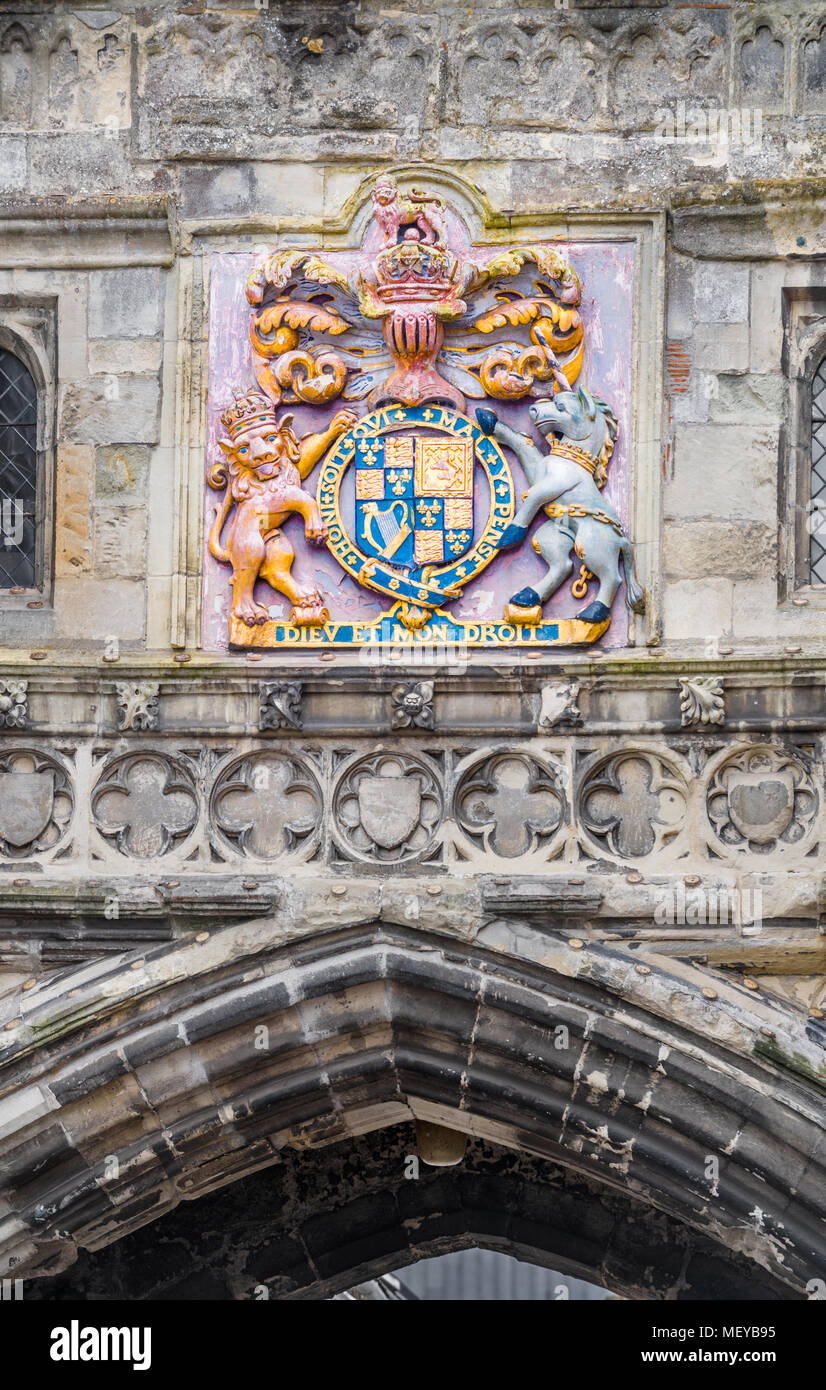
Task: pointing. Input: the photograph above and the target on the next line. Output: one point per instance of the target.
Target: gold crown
(412, 270)
(249, 408)
(413, 259)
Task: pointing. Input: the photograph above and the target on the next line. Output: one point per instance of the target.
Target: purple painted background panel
(606, 271)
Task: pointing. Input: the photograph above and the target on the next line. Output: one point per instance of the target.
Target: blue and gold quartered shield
(414, 499)
(413, 531)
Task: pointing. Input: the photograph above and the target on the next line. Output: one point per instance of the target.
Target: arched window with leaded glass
(817, 494)
(18, 474)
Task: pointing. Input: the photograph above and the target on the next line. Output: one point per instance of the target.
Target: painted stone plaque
(402, 444)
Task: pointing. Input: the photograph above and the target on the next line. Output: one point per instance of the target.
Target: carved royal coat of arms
(414, 451)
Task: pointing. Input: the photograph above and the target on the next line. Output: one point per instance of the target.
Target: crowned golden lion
(265, 466)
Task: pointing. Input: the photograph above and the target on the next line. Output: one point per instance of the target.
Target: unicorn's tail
(634, 592)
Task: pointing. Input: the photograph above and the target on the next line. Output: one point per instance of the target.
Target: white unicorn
(565, 483)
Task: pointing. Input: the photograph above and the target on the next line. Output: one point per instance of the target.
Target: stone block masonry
(263, 911)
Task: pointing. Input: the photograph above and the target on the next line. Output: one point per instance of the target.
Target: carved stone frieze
(646, 800)
(552, 68)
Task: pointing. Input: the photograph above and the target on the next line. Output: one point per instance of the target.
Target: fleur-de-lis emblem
(428, 512)
(398, 481)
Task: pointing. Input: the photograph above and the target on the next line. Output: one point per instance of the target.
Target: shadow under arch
(135, 1084)
(326, 1219)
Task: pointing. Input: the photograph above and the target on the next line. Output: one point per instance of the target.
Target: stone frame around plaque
(344, 230)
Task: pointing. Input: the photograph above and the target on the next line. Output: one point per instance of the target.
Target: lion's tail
(634, 592)
(221, 513)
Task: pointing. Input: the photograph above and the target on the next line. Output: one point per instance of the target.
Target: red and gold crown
(248, 409)
(413, 269)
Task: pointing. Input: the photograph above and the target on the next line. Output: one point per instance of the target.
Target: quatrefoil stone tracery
(145, 803)
(387, 807)
(37, 802)
(762, 800)
(266, 805)
(633, 803)
(509, 804)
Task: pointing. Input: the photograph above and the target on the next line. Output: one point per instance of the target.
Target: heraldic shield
(414, 499)
(406, 525)
(26, 801)
(389, 808)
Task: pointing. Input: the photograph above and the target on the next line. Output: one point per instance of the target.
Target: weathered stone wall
(568, 802)
(263, 123)
(135, 139)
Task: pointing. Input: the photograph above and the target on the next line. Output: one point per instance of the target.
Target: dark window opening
(18, 474)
